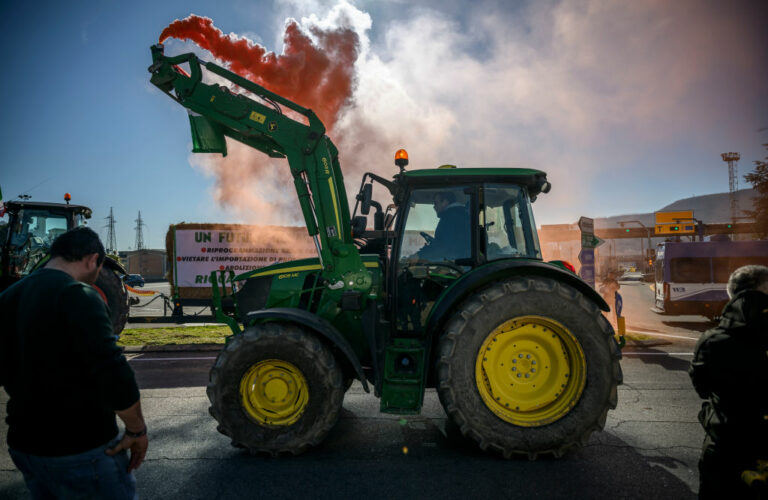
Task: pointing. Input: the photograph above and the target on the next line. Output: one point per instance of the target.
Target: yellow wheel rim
(530, 371)
(274, 393)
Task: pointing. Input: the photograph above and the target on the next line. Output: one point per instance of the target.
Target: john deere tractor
(26, 239)
(447, 290)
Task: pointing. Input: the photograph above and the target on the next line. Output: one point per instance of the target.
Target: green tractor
(27, 237)
(448, 290)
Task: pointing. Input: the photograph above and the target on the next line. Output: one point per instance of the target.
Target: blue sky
(627, 107)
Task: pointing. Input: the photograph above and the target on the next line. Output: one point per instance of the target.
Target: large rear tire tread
(290, 343)
(472, 322)
(117, 298)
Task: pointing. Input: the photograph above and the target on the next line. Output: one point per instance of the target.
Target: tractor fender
(111, 263)
(501, 269)
(322, 327)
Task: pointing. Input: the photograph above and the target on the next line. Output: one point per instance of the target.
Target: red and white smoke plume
(316, 69)
(317, 74)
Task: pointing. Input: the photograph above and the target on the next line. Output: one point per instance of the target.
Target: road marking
(170, 359)
(647, 353)
(653, 334)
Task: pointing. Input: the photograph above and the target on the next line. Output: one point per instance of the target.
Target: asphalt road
(639, 298)
(649, 447)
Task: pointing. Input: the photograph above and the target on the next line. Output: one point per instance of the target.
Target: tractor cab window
(507, 221)
(435, 250)
(31, 236)
(437, 227)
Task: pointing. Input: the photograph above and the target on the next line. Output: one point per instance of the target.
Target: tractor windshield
(32, 234)
(508, 221)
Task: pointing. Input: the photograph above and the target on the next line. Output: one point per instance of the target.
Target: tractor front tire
(275, 389)
(117, 298)
(528, 366)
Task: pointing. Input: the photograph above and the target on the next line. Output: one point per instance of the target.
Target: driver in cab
(452, 238)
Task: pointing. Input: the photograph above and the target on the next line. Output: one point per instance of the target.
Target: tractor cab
(445, 223)
(29, 233)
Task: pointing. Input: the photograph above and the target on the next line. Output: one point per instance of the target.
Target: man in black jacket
(730, 371)
(67, 378)
(452, 238)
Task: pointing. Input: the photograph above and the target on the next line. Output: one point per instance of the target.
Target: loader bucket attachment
(207, 137)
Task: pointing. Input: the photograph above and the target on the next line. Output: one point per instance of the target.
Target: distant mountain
(708, 208)
(712, 208)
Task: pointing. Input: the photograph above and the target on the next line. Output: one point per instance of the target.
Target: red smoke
(318, 75)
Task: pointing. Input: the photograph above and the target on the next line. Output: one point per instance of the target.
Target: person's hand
(138, 447)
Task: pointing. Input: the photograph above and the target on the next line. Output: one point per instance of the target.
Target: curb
(172, 348)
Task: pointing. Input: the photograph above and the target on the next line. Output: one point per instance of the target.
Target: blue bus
(691, 277)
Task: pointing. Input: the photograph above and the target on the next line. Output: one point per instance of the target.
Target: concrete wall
(151, 264)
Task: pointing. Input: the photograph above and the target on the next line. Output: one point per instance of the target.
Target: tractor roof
(532, 179)
(16, 205)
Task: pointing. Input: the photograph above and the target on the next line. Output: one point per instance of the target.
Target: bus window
(690, 270)
(723, 266)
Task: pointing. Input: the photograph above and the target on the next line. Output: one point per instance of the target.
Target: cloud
(572, 88)
(578, 89)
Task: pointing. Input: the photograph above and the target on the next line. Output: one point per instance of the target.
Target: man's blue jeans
(92, 474)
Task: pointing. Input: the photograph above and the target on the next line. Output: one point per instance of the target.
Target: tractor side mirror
(365, 200)
(358, 225)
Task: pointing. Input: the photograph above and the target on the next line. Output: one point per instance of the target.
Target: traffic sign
(684, 228)
(680, 222)
(587, 273)
(587, 225)
(587, 256)
(590, 241)
(619, 304)
(674, 217)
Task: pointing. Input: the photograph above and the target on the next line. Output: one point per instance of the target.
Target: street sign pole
(587, 254)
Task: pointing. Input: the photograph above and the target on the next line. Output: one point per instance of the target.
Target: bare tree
(759, 180)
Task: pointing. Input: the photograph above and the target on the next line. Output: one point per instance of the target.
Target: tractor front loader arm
(216, 112)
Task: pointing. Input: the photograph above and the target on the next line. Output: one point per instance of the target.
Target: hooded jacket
(730, 371)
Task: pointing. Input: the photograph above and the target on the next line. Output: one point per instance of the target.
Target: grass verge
(174, 335)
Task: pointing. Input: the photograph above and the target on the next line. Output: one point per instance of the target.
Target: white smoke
(582, 90)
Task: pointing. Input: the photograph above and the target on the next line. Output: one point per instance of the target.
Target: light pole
(648, 233)
(733, 182)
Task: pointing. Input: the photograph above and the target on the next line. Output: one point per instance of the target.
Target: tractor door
(435, 247)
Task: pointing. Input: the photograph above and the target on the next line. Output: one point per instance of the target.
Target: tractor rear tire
(488, 372)
(275, 389)
(117, 298)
